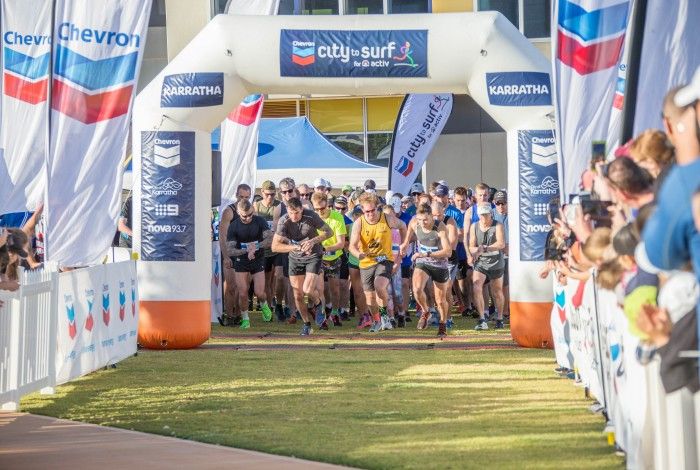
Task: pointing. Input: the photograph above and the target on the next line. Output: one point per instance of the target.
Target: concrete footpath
(39, 442)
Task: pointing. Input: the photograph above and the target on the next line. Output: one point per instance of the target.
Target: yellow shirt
(337, 224)
(375, 241)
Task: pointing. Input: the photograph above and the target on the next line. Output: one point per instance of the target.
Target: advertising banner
(587, 40)
(192, 90)
(239, 147)
(519, 89)
(97, 318)
(26, 45)
(217, 304)
(538, 184)
(98, 48)
(333, 53)
(167, 205)
(418, 126)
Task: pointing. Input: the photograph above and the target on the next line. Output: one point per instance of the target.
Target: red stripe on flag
(592, 58)
(618, 101)
(87, 108)
(245, 115)
(23, 90)
(303, 60)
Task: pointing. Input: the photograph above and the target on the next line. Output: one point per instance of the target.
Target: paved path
(38, 442)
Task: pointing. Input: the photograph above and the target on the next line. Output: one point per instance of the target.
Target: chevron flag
(25, 77)
(587, 41)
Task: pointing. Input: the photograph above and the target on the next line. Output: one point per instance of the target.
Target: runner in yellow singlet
(370, 242)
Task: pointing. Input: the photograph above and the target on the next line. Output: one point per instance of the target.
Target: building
(472, 147)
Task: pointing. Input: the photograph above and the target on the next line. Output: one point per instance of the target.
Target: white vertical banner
(418, 126)
(252, 7)
(26, 49)
(669, 57)
(98, 48)
(587, 40)
(97, 318)
(239, 147)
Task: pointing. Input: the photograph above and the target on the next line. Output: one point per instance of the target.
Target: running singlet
(375, 241)
(488, 259)
(266, 213)
(429, 242)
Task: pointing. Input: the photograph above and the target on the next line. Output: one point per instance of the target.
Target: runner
(486, 245)
(341, 205)
(464, 283)
(332, 252)
(439, 214)
(500, 199)
(265, 208)
(282, 287)
(247, 237)
(432, 251)
(364, 317)
(370, 242)
(482, 192)
(297, 234)
(397, 314)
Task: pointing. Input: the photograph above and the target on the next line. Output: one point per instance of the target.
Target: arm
(355, 241)
(121, 226)
(29, 227)
(452, 233)
(500, 240)
(280, 245)
(267, 239)
(276, 217)
(474, 250)
(338, 246)
(467, 232)
(325, 233)
(226, 217)
(408, 237)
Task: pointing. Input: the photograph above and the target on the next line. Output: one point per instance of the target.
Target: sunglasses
(246, 216)
(320, 209)
(288, 191)
(501, 203)
(268, 194)
(304, 194)
(341, 208)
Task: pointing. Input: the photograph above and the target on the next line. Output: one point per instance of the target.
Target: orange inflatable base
(177, 324)
(529, 324)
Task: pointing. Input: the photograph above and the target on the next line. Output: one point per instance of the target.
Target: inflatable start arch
(480, 54)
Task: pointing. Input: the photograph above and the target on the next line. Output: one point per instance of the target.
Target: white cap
(642, 260)
(319, 183)
(389, 194)
(484, 208)
(690, 92)
(395, 202)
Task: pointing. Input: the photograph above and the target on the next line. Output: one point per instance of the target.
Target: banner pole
(393, 140)
(633, 66)
(600, 351)
(47, 151)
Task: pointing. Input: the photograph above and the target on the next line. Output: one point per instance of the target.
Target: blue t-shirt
(14, 219)
(405, 217)
(452, 211)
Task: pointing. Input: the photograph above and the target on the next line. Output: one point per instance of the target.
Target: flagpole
(47, 151)
(639, 16)
(393, 141)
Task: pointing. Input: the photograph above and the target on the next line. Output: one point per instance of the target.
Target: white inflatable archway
(175, 269)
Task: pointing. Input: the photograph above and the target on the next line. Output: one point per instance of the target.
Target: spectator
(125, 223)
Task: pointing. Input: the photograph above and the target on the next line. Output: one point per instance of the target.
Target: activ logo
(303, 52)
(122, 301)
(590, 40)
(406, 57)
(105, 304)
(90, 300)
(166, 152)
(192, 90)
(248, 111)
(70, 314)
(544, 151)
(519, 88)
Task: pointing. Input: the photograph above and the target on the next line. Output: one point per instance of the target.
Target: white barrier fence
(592, 335)
(51, 333)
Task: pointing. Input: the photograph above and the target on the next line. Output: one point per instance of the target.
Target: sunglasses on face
(341, 208)
(288, 191)
(247, 216)
(320, 209)
(304, 194)
(268, 194)
(500, 203)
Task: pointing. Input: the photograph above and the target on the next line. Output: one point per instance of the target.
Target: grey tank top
(488, 259)
(429, 242)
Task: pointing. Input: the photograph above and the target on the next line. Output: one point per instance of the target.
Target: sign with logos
(538, 184)
(192, 90)
(167, 206)
(519, 89)
(334, 53)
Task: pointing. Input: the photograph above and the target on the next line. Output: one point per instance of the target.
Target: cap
(347, 187)
(406, 199)
(328, 183)
(342, 200)
(370, 184)
(395, 203)
(444, 183)
(452, 193)
(500, 196)
(268, 185)
(416, 188)
(642, 259)
(690, 92)
(389, 194)
(483, 208)
(319, 183)
(442, 190)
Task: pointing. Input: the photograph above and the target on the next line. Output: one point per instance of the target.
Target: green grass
(364, 408)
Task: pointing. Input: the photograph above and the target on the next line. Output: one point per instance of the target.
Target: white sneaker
(386, 323)
(482, 325)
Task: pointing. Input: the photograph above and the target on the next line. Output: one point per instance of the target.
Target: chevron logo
(122, 302)
(25, 77)
(304, 55)
(619, 99)
(90, 299)
(590, 41)
(544, 155)
(105, 305)
(404, 167)
(90, 90)
(133, 298)
(167, 157)
(247, 112)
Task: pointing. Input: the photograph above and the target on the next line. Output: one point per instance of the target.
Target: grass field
(337, 398)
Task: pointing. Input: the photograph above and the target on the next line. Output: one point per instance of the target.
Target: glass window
(286, 7)
(344, 115)
(308, 7)
(409, 6)
(354, 144)
(537, 15)
(509, 9)
(379, 148)
(382, 112)
(157, 17)
(364, 7)
(219, 6)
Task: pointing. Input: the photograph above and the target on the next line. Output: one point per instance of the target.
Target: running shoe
(482, 325)
(266, 312)
(287, 312)
(423, 322)
(401, 321)
(365, 321)
(336, 320)
(306, 330)
(466, 312)
(279, 311)
(442, 330)
(328, 310)
(386, 322)
(292, 320)
(499, 325)
(376, 327)
(449, 323)
(393, 322)
(344, 316)
(324, 325)
(245, 324)
(223, 320)
(408, 318)
(320, 316)
(434, 318)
